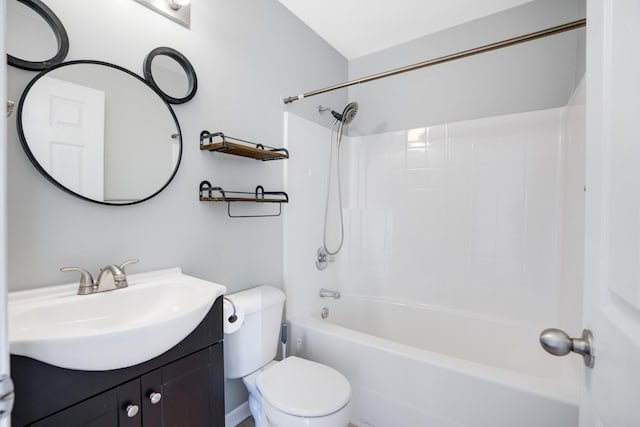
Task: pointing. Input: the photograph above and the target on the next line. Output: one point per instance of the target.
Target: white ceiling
(358, 27)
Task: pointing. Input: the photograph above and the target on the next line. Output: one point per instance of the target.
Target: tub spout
(327, 293)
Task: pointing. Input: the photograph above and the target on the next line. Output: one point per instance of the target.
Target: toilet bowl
(297, 392)
(293, 392)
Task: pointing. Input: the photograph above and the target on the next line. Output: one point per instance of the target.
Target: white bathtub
(416, 366)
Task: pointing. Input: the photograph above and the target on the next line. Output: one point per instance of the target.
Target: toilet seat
(303, 388)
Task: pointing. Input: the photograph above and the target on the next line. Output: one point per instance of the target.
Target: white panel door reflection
(70, 147)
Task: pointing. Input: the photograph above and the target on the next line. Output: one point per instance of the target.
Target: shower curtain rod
(482, 49)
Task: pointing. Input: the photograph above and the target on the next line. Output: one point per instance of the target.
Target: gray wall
(247, 54)
(531, 76)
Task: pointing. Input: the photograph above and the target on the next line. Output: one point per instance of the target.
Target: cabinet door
(152, 398)
(191, 392)
(129, 407)
(99, 411)
(108, 409)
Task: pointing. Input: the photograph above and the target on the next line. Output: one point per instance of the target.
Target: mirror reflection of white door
(71, 146)
(611, 390)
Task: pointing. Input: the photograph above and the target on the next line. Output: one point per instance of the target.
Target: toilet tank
(256, 343)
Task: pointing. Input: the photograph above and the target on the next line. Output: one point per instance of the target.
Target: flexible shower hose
(326, 209)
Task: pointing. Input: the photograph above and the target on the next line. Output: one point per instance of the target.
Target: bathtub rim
(564, 389)
(426, 306)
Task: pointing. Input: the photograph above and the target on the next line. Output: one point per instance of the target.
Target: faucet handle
(131, 261)
(121, 278)
(86, 279)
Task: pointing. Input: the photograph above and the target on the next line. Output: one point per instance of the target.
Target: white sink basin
(109, 330)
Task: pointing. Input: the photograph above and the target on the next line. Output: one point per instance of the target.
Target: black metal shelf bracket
(210, 193)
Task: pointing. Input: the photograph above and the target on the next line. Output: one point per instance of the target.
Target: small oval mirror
(36, 39)
(171, 74)
(100, 132)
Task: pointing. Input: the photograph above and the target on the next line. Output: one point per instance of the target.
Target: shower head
(348, 114)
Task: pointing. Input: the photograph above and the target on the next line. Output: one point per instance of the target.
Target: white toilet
(292, 393)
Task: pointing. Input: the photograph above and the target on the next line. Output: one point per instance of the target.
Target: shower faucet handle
(323, 259)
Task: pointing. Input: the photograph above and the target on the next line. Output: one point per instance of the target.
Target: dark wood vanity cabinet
(182, 387)
(107, 409)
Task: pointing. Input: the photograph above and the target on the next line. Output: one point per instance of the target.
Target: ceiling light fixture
(177, 4)
(177, 10)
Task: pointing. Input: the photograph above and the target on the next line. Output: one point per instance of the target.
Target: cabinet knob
(155, 397)
(132, 410)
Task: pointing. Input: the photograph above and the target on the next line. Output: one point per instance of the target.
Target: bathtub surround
(466, 215)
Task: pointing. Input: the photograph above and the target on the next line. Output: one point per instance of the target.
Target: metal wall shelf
(220, 142)
(209, 193)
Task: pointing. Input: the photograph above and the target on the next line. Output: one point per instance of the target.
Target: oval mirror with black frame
(30, 25)
(171, 74)
(99, 132)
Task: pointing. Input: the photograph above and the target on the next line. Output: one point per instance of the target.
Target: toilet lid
(304, 388)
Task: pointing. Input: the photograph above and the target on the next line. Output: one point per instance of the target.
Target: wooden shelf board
(244, 151)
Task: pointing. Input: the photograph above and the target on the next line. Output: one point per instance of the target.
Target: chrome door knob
(155, 397)
(132, 410)
(558, 343)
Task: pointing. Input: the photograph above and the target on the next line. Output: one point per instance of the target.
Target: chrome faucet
(111, 277)
(327, 293)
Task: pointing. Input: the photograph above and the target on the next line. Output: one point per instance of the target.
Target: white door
(611, 390)
(71, 147)
(4, 347)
